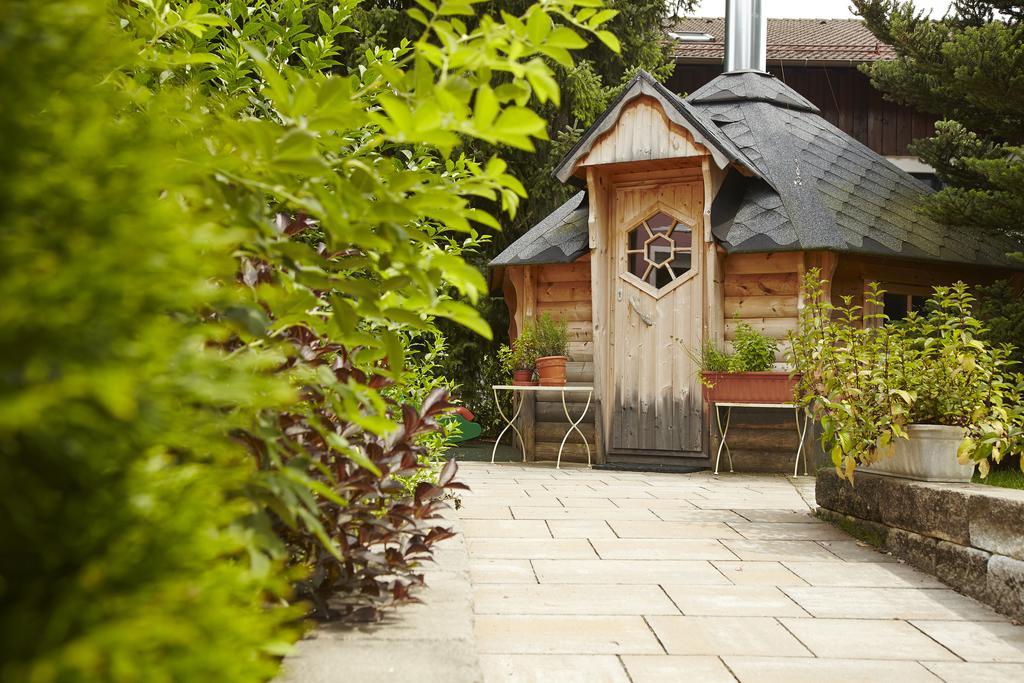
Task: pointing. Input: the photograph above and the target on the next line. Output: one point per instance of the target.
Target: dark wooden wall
(846, 100)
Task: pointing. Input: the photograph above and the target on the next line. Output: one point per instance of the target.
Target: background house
(818, 58)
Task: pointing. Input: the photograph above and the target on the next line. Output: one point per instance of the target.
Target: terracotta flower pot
(523, 378)
(552, 371)
(748, 387)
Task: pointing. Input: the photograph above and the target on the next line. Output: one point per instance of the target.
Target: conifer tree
(968, 69)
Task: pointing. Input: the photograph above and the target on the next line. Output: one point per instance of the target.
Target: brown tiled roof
(816, 40)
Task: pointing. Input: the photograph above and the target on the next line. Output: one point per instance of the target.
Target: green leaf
(464, 315)
(565, 37)
(610, 41)
(519, 121)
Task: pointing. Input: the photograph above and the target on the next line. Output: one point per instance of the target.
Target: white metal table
(801, 429)
(574, 425)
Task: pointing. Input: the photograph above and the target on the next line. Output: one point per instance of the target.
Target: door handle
(635, 305)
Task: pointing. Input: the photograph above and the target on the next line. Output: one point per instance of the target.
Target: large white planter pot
(928, 455)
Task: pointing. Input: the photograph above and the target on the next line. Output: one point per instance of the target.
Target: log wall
(762, 290)
(563, 292)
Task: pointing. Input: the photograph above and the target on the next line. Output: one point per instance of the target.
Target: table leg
(573, 425)
(802, 433)
(510, 422)
(723, 431)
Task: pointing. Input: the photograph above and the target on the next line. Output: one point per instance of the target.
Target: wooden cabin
(696, 214)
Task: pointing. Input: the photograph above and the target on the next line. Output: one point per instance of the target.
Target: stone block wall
(970, 536)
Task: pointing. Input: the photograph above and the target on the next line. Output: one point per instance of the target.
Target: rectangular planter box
(928, 455)
(748, 387)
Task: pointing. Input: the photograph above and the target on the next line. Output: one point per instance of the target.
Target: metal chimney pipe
(746, 36)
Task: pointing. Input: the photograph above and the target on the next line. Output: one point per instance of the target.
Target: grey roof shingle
(830, 191)
(560, 238)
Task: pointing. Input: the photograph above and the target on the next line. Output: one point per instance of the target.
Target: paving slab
(505, 528)
(588, 598)
(868, 638)
(862, 575)
(758, 574)
(778, 551)
(588, 513)
(552, 669)
(734, 601)
(694, 573)
(856, 551)
(976, 672)
(501, 571)
(580, 528)
(661, 549)
(530, 548)
(726, 636)
(801, 670)
(789, 531)
(659, 529)
(978, 642)
(889, 603)
(675, 668)
(541, 634)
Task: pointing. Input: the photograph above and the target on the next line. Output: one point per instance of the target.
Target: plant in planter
(519, 359)
(552, 348)
(744, 376)
(924, 398)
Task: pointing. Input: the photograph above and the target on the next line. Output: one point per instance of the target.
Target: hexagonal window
(659, 249)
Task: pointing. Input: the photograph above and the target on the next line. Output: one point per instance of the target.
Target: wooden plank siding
(762, 290)
(563, 292)
(643, 133)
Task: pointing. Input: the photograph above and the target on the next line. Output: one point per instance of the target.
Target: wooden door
(656, 252)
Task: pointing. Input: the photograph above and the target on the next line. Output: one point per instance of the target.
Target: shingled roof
(818, 187)
(560, 238)
(789, 40)
(805, 184)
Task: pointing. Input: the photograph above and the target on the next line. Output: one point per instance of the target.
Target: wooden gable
(643, 132)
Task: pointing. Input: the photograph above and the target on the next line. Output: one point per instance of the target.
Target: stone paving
(585, 575)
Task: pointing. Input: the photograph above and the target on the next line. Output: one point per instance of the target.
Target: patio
(592, 575)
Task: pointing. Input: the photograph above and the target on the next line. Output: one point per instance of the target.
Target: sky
(810, 9)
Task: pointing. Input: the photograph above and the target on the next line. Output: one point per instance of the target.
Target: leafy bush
(551, 337)
(522, 355)
(1001, 307)
(122, 555)
(867, 380)
(753, 351)
(356, 210)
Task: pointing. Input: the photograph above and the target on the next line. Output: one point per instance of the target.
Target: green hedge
(118, 561)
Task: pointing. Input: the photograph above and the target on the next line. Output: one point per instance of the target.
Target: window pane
(682, 236)
(660, 222)
(894, 305)
(660, 249)
(682, 262)
(917, 303)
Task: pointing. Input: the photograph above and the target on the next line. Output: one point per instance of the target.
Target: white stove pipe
(746, 36)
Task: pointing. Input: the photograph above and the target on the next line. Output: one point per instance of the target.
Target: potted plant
(552, 349)
(744, 376)
(519, 359)
(926, 398)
